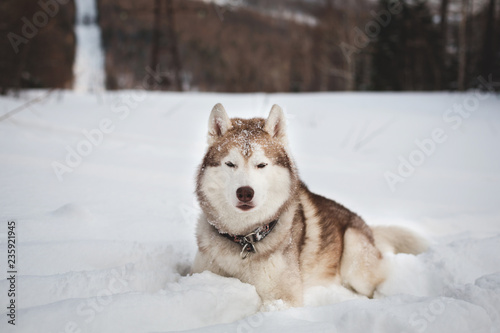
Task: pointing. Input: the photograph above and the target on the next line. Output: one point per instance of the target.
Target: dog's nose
(245, 193)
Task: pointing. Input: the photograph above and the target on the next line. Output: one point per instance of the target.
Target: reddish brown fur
(334, 221)
(315, 241)
(244, 134)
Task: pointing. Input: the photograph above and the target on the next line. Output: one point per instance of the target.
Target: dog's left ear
(276, 125)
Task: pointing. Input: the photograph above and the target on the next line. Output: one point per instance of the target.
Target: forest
(263, 46)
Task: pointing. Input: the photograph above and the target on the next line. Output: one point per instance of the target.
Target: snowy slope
(101, 190)
(89, 59)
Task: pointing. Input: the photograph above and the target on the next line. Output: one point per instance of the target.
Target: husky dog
(262, 225)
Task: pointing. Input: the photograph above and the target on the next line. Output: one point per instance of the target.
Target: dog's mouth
(245, 206)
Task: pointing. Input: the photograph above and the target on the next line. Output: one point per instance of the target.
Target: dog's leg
(199, 264)
(278, 278)
(362, 266)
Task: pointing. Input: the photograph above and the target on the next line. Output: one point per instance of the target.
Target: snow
(101, 190)
(89, 59)
(298, 17)
(282, 14)
(225, 2)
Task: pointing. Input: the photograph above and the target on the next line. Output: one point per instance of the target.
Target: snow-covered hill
(100, 188)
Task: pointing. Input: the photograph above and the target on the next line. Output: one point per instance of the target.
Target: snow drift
(101, 190)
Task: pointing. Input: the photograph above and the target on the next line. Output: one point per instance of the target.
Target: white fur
(276, 125)
(277, 277)
(362, 267)
(218, 123)
(396, 239)
(287, 260)
(272, 186)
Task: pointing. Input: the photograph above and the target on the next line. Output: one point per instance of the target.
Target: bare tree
(444, 40)
(489, 42)
(462, 46)
(174, 49)
(173, 61)
(155, 44)
(155, 47)
(340, 62)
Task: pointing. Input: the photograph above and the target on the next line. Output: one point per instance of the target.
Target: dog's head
(247, 175)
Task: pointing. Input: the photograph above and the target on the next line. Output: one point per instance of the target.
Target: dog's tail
(398, 240)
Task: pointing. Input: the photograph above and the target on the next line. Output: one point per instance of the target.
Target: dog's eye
(231, 165)
(262, 165)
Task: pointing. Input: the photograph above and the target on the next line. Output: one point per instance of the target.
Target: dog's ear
(275, 124)
(218, 123)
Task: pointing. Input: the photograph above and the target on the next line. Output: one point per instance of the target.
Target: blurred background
(249, 45)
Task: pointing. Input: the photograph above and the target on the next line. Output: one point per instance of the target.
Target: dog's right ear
(218, 123)
(275, 124)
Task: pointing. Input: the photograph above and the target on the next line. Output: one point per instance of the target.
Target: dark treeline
(408, 45)
(272, 46)
(37, 44)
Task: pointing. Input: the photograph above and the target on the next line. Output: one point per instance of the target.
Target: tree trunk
(462, 46)
(488, 55)
(155, 45)
(174, 50)
(442, 78)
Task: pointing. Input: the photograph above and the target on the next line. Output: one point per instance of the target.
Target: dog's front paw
(274, 305)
